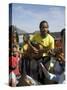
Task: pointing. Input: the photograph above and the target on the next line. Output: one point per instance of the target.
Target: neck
(45, 35)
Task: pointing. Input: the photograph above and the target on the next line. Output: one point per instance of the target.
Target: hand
(51, 52)
(35, 50)
(61, 58)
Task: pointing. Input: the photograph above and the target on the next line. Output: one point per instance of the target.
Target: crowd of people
(40, 47)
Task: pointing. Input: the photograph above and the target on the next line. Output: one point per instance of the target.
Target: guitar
(35, 50)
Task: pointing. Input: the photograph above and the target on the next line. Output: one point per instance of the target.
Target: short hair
(12, 30)
(63, 32)
(26, 37)
(42, 23)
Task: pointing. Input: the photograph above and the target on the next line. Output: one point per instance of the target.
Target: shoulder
(24, 46)
(51, 37)
(34, 36)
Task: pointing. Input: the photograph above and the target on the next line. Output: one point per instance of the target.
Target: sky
(27, 17)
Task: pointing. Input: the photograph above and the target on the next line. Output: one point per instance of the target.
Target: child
(13, 66)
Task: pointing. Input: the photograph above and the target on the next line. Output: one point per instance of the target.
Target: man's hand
(36, 51)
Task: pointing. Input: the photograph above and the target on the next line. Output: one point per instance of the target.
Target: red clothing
(14, 63)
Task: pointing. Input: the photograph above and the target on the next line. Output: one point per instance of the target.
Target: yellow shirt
(24, 48)
(47, 41)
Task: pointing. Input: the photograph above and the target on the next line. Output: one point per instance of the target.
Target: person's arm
(35, 50)
(61, 57)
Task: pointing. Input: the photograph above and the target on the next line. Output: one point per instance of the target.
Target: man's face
(44, 29)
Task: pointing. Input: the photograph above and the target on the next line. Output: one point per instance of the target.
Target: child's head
(25, 37)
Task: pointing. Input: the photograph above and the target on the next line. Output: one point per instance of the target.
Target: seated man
(45, 40)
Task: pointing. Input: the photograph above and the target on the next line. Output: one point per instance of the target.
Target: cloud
(29, 18)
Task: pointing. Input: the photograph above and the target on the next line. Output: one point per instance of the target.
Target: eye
(44, 27)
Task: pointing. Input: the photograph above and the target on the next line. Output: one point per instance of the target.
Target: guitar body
(29, 52)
